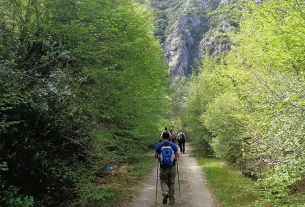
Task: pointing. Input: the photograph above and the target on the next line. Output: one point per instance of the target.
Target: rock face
(180, 45)
(216, 42)
(189, 34)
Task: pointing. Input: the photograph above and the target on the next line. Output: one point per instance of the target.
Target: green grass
(114, 189)
(229, 186)
(127, 180)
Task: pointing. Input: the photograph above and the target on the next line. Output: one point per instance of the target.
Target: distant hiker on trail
(165, 130)
(181, 141)
(167, 153)
(173, 136)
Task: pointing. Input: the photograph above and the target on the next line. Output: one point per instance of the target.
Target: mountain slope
(189, 29)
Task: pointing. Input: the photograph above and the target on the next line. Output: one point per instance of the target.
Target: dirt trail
(193, 186)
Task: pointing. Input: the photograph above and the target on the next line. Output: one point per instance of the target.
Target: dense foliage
(251, 99)
(82, 87)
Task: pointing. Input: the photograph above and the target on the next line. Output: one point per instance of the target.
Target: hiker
(173, 136)
(181, 141)
(167, 153)
(165, 129)
(170, 135)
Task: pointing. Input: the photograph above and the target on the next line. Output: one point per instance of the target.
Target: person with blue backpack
(167, 153)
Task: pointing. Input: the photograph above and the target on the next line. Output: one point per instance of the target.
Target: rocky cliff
(189, 30)
(180, 47)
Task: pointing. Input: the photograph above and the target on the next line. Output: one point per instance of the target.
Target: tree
(79, 77)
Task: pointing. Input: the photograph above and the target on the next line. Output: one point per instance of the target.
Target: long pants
(181, 143)
(167, 179)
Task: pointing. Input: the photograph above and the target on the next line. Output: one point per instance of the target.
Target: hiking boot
(165, 197)
(171, 201)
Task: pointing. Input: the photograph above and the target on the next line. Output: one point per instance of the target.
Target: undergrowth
(232, 189)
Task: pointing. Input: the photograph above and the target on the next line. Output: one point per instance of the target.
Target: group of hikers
(166, 151)
(180, 138)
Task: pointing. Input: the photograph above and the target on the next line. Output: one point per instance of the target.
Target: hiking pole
(157, 182)
(178, 180)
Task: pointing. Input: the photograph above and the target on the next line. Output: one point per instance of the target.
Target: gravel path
(193, 186)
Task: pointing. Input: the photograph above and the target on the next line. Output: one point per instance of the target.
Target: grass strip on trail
(229, 186)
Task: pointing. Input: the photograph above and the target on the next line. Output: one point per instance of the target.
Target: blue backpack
(167, 155)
